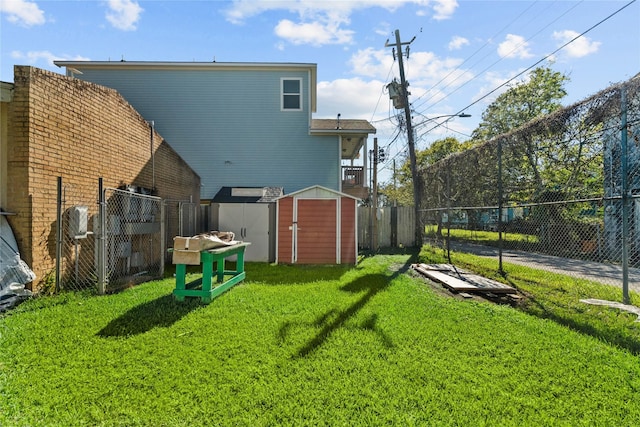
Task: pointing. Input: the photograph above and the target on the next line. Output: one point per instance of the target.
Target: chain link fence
(561, 193)
(75, 251)
(133, 244)
(138, 229)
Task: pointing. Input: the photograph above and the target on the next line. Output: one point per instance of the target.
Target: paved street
(608, 274)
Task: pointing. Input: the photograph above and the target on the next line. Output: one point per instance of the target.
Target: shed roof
(317, 192)
(247, 194)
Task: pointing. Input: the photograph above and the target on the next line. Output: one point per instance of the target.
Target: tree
(400, 189)
(521, 103)
(539, 96)
(439, 150)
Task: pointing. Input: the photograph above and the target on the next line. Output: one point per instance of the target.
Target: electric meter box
(78, 218)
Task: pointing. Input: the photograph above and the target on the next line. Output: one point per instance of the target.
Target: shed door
(316, 231)
(250, 223)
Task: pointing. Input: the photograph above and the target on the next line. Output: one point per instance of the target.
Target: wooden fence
(394, 224)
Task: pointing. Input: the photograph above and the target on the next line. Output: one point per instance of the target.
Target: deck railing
(353, 176)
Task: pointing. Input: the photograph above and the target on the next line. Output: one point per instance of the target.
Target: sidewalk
(608, 274)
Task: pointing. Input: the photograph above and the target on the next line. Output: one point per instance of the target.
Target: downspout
(338, 230)
(340, 175)
(294, 232)
(153, 157)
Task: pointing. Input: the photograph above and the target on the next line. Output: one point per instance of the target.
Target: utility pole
(417, 191)
(374, 202)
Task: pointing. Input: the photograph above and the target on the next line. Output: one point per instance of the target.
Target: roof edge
(340, 131)
(336, 192)
(178, 64)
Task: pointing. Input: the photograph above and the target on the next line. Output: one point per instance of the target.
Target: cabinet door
(256, 231)
(250, 223)
(231, 218)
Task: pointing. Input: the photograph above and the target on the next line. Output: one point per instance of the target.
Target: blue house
(243, 126)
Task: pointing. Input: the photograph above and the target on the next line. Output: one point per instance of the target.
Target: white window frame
(282, 94)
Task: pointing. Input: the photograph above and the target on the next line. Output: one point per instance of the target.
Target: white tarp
(14, 272)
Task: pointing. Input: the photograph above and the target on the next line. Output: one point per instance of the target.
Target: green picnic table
(207, 291)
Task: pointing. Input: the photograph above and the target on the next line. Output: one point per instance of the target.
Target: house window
(292, 94)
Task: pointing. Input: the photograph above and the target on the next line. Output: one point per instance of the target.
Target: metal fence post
(101, 241)
(500, 201)
(163, 236)
(625, 195)
(59, 234)
(448, 169)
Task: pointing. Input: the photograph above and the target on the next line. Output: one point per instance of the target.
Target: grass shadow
(608, 335)
(371, 285)
(281, 274)
(159, 313)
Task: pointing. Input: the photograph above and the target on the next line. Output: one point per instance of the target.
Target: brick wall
(61, 126)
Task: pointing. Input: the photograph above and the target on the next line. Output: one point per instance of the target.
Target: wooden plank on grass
(462, 282)
(450, 282)
(488, 285)
(440, 267)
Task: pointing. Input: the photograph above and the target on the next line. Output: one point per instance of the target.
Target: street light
(463, 115)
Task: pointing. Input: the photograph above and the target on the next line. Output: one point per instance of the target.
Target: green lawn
(306, 346)
(483, 237)
(557, 297)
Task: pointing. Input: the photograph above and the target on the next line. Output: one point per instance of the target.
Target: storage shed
(317, 225)
(250, 213)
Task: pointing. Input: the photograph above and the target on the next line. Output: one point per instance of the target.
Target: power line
(541, 60)
(470, 57)
(510, 80)
(483, 71)
(381, 93)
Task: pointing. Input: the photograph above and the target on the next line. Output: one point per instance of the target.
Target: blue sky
(462, 51)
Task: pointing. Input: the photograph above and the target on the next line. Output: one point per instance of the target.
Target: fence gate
(133, 240)
(75, 239)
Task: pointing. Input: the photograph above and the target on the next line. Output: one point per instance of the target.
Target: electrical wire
(541, 60)
(515, 76)
(483, 71)
(381, 93)
(470, 57)
(509, 80)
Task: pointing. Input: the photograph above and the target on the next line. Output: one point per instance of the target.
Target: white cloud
(324, 22)
(458, 42)
(353, 98)
(433, 78)
(241, 10)
(34, 57)
(579, 47)
(43, 58)
(423, 69)
(312, 33)
(124, 14)
(384, 29)
(22, 12)
(444, 9)
(514, 46)
(372, 63)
